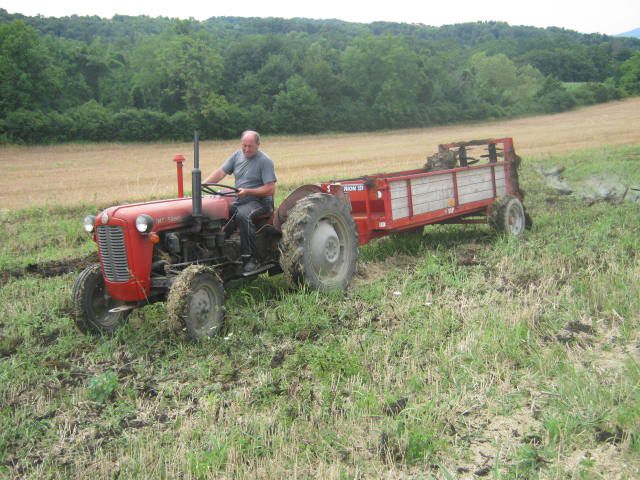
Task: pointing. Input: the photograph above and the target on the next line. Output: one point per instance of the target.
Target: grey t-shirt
(251, 172)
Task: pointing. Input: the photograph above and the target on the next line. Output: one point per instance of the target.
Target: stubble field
(106, 173)
(457, 353)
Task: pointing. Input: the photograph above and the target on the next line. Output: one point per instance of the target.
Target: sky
(588, 16)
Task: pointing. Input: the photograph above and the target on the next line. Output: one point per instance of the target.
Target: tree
(553, 97)
(297, 109)
(630, 74)
(384, 73)
(500, 83)
(175, 72)
(25, 69)
(319, 69)
(261, 87)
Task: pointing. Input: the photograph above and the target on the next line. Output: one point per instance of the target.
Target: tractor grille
(114, 253)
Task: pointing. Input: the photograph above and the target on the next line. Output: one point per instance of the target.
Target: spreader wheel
(509, 216)
(196, 300)
(91, 303)
(319, 243)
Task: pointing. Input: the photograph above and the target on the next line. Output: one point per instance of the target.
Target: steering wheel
(209, 188)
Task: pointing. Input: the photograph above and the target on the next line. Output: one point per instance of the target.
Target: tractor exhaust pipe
(196, 178)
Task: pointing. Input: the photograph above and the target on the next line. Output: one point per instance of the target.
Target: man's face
(249, 146)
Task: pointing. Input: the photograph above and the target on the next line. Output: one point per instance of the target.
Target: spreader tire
(509, 216)
(91, 303)
(196, 300)
(319, 243)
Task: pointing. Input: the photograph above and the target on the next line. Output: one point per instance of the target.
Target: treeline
(142, 79)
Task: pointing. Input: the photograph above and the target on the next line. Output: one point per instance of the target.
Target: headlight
(89, 223)
(144, 223)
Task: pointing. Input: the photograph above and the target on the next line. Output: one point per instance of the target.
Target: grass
(454, 354)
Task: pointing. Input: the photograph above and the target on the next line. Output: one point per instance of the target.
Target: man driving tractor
(256, 181)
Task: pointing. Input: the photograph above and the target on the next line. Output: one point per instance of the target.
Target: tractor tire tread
(292, 245)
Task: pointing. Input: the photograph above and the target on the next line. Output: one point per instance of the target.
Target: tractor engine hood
(166, 214)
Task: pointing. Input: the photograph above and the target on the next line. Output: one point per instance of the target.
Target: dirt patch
(61, 267)
(603, 461)
(468, 255)
(9, 345)
(604, 187)
(366, 272)
(494, 439)
(575, 333)
(49, 269)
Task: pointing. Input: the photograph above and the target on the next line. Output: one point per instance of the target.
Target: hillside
(635, 33)
(149, 79)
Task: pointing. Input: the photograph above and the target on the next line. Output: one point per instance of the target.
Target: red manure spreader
(184, 250)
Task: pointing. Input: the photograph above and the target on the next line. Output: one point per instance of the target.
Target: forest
(150, 79)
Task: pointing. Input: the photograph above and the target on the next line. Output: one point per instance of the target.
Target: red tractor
(184, 250)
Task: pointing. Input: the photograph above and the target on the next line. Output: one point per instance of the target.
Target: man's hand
(267, 190)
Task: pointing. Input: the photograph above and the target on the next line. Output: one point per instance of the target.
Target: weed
(102, 387)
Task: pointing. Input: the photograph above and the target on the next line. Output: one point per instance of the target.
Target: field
(457, 353)
(104, 174)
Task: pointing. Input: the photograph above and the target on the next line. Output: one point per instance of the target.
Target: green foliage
(297, 108)
(139, 78)
(630, 74)
(384, 74)
(553, 97)
(174, 73)
(91, 121)
(206, 463)
(102, 387)
(25, 69)
(502, 88)
(590, 93)
(137, 125)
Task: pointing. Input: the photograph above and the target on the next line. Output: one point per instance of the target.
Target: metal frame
(371, 199)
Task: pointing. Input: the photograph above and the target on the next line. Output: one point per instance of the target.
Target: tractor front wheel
(196, 300)
(92, 304)
(319, 243)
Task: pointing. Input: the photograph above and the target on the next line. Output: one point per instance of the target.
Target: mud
(49, 269)
(468, 255)
(9, 345)
(596, 188)
(367, 272)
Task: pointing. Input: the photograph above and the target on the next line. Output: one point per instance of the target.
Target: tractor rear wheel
(509, 216)
(196, 300)
(91, 303)
(319, 243)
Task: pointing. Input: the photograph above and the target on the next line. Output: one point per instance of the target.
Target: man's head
(250, 141)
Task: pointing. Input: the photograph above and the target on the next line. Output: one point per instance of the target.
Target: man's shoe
(251, 266)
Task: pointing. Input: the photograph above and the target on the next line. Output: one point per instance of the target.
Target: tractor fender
(282, 212)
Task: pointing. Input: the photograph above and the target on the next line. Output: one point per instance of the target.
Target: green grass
(456, 353)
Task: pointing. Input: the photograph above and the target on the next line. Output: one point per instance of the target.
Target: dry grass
(105, 173)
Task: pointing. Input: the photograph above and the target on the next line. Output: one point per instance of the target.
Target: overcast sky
(588, 16)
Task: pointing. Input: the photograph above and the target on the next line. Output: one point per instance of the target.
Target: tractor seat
(265, 217)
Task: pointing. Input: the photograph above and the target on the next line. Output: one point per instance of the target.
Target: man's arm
(215, 177)
(266, 190)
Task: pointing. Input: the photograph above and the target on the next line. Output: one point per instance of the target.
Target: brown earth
(112, 172)
(52, 268)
